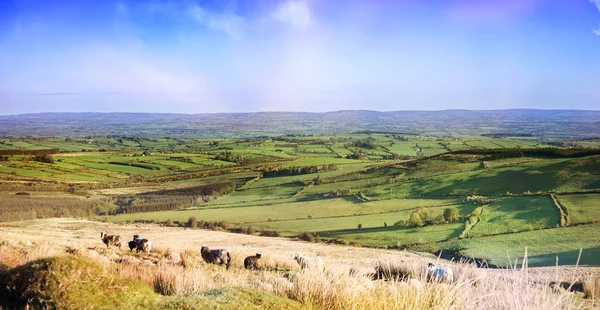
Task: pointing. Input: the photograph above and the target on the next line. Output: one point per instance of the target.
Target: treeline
(30, 152)
(364, 143)
(506, 134)
(214, 189)
(228, 156)
(152, 203)
(132, 164)
(24, 207)
(173, 199)
(530, 152)
(296, 170)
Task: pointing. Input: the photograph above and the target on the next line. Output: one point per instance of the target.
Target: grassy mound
(70, 282)
(231, 298)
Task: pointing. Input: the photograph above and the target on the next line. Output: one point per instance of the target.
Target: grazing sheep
(142, 244)
(439, 274)
(308, 262)
(250, 261)
(111, 240)
(218, 256)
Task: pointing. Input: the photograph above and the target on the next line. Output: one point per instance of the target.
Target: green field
(328, 185)
(543, 246)
(582, 208)
(515, 214)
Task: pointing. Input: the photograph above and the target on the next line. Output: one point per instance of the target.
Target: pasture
(323, 184)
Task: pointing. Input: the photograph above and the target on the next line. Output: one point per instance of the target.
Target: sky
(194, 56)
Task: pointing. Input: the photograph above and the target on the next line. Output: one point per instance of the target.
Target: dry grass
(345, 282)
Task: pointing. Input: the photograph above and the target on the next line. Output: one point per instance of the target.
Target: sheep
(308, 262)
(439, 274)
(142, 244)
(111, 240)
(132, 245)
(250, 261)
(218, 256)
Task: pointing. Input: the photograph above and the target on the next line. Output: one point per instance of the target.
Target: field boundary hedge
(552, 152)
(29, 152)
(562, 210)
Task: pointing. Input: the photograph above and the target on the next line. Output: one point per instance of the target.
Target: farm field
(582, 208)
(325, 185)
(515, 214)
(543, 246)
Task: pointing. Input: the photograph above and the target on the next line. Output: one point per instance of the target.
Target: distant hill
(520, 122)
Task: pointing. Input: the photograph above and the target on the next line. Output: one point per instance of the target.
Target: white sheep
(308, 262)
(439, 274)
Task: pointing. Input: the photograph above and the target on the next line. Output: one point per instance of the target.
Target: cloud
(597, 2)
(294, 13)
(227, 22)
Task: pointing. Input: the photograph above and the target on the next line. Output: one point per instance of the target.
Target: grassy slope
(582, 208)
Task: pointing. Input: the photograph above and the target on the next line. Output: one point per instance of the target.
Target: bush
(269, 233)
(192, 223)
(451, 214)
(416, 219)
(307, 237)
(359, 226)
(400, 223)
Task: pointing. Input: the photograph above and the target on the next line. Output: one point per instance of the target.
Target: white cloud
(227, 22)
(597, 2)
(295, 13)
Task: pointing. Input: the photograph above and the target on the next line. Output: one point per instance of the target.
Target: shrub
(416, 219)
(400, 223)
(307, 237)
(451, 214)
(192, 223)
(359, 226)
(269, 233)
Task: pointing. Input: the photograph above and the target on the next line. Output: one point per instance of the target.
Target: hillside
(537, 123)
(181, 280)
(484, 198)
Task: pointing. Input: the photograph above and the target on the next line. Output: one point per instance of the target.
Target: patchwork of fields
(353, 188)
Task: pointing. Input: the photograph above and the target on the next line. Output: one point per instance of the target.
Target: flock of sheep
(222, 257)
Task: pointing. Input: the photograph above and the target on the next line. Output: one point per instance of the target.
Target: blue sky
(186, 56)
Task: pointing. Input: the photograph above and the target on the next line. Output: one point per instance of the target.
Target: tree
(359, 226)
(415, 219)
(451, 214)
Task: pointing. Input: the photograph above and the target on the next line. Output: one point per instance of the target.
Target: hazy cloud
(295, 13)
(597, 2)
(227, 22)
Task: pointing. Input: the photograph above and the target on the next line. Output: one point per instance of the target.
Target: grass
(333, 207)
(71, 283)
(514, 214)
(344, 283)
(582, 208)
(398, 236)
(543, 246)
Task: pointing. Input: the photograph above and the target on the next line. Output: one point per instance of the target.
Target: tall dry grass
(333, 287)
